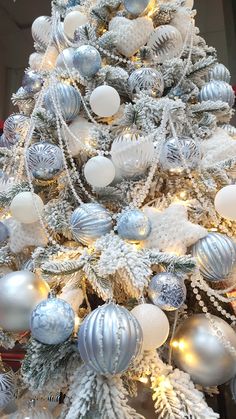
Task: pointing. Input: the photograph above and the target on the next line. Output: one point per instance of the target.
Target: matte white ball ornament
(73, 21)
(65, 58)
(45, 61)
(99, 171)
(26, 207)
(78, 134)
(154, 324)
(105, 101)
(225, 202)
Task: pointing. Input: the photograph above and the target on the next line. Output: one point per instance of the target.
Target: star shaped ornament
(172, 232)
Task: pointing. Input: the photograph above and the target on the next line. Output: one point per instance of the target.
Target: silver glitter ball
(167, 291)
(7, 385)
(134, 225)
(146, 80)
(52, 321)
(175, 153)
(216, 256)
(89, 222)
(109, 339)
(136, 7)
(45, 161)
(87, 60)
(217, 90)
(32, 82)
(219, 72)
(14, 127)
(66, 97)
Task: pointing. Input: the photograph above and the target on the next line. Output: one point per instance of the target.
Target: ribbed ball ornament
(68, 100)
(217, 90)
(32, 82)
(87, 60)
(176, 153)
(216, 256)
(165, 42)
(7, 385)
(146, 80)
(109, 339)
(219, 72)
(89, 222)
(41, 30)
(45, 161)
(134, 225)
(65, 59)
(14, 127)
(230, 129)
(167, 291)
(60, 40)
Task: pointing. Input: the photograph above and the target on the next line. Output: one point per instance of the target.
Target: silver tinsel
(176, 153)
(219, 72)
(68, 100)
(167, 291)
(134, 225)
(217, 90)
(45, 160)
(146, 80)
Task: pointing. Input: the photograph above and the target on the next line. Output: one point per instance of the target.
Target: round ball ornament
(216, 256)
(217, 90)
(105, 101)
(219, 72)
(79, 128)
(136, 7)
(46, 61)
(154, 324)
(87, 60)
(32, 82)
(134, 225)
(14, 127)
(41, 30)
(225, 202)
(20, 292)
(7, 385)
(59, 38)
(45, 161)
(4, 232)
(165, 42)
(178, 152)
(109, 339)
(68, 100)
(146, 80)
(198, 350)
(74, 20)
(99, 171)
(65, 59)
(167, 291)
(89, 222)
(26, 207)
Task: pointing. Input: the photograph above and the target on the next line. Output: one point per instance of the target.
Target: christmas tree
(118, 213)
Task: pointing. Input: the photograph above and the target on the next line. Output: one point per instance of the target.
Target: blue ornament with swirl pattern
(45, 161)
(64, 96)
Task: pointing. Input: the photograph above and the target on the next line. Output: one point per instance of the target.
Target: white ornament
(80, 128)
(182, 21)
(130, 35)
(225, 202)
(25, 235)
(65, 58)
(42, 30)
(217, 148)
(154, 324)
(46, 61)
(26, 207)
(72, 21)
(165, 42)
(73, 296)
(105, 101)
(99, 171)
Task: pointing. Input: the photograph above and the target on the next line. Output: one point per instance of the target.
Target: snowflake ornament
(25, 235)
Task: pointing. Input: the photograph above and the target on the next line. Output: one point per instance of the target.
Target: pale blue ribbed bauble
(136, 7)
(219, 72)
(4, 232)
(32, 82)
(66, 97)
(89, 222)
(167, 291)
(217, 90)
(216, 256)
(134, 225)
(109, 339)
(87, 60)
(45, 160)
(52, 321)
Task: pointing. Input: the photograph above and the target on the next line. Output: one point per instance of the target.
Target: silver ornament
(219, 72)
(15, 126)
(66, 97)
(165, 42)
(167, 291)
(65, 59)
(89, 222)
(146, 80)
(176, 153)
(230, 129)
(136, 7)
(217, 90)
(134, 225)
(4, 232)
(20, 292)
(41, 30)
(87, 60)
(199, 351)
(32, 82)
(216, 256)
(52, 321)
(45, 160)
(59, 38)
(7, 385)
(109, 339)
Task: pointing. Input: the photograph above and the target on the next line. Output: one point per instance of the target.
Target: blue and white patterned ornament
(87, 60)
(52, 321)
(4, 232)
(32, 82)
(14, 127)
(176, 153)
(217, 90)
(7, 385)
(146, 80)
(219, 72)
(45, 161)
(109, 339)
(167, 291)
(165, 42)
(134, 225)
(41, 31)
(136, 7)
(67, 98)
(89, 222)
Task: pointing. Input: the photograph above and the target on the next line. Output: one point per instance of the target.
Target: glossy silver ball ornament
(7, 385)
(175, 153)
(87, 60)
(198, 350)
(89, 222)
(68, 100)
(14, 127)
(134, 225)
(216, 256)
(52, 321)
(45, 160)
(109, 339)
(219, 72)
(4, 232)
(167, 291)
(20, 292)
(32, 82)
(217, 90)
(136, 7)
(146, 80)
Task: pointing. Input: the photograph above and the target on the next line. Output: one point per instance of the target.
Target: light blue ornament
(219, 72)
(217, 90)
(45, 160)
(134, 225)
(14, 126)
(87, 60)
(109, 339)
(52, 321)
(136, 7)
(167, 291)
(89, 222)
(66, 97)
(32, 82)
(4, 232)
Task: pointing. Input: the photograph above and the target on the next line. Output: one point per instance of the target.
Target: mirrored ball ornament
(105, 101)
(67, 98)
(219, 72)
(225, 202)
(165, 42)
(217, 90)
(134, 225)
(167, 291)
(32, 82)
(45, 161)
(109, 339)
(178, 153)
(26, 207)
(136, 7)
(146, 80)
(87, 60)
(99, 171)
(7, 385)
(199, 351)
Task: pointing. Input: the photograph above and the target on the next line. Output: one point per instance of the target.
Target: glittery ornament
(167, 291)
(133, 225)
(68, 100)
(32, 82)
(146, 80)
(176, 153)
(41, 30)
(109, 339)
(217, 90)
(136, 7)
(45, 160)
(7, 385)
(165, 42)
(219, 72)
(87, 60)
